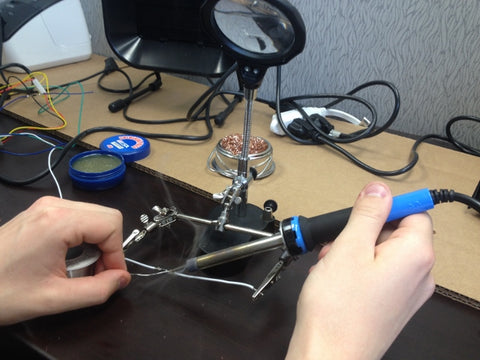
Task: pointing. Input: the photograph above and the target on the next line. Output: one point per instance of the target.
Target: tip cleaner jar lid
(131, 147)
(97, 170)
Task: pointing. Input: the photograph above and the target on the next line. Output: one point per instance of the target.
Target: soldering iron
(298, 235)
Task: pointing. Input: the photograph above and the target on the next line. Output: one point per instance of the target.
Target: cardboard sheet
(308, 180)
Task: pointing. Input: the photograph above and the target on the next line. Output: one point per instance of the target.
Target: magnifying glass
(258, 34)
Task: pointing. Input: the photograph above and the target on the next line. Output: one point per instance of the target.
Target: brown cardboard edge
(172, 180)
(457, 297)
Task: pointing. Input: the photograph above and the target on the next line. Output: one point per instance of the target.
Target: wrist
(308, 343)
(314, 339)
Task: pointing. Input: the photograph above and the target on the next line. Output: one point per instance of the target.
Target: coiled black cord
(6, 94)
(461, 146)
(323, 138)
(444, 196)
(328, 140)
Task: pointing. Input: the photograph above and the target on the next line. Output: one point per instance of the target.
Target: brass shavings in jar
(233, 144)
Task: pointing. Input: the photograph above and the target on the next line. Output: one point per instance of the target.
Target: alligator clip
(274, 275)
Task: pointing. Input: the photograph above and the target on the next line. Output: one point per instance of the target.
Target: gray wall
(429, 49)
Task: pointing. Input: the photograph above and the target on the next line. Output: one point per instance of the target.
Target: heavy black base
(213, 240)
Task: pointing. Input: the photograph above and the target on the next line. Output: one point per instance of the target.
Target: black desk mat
(173, 318)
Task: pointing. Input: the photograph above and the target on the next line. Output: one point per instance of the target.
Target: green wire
(82, 100)
(44, 108)
(64, 91)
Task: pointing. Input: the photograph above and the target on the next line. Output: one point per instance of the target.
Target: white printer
(43, 33)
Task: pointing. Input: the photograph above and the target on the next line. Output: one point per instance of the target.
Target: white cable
(53, 175)
(161, 271)
(38, 138)
(289, 115)
(39, 86)
(29, 134)
(49, 155)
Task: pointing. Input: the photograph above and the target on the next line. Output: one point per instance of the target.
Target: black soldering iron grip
(323, 228)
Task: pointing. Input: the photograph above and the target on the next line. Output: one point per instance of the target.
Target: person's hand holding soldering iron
(33, 246)
(366, 285)
(357, 298)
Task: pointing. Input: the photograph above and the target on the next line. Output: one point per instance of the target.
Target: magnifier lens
(254, 25)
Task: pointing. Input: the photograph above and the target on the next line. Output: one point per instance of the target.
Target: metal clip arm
(274, 275)
(163, 218)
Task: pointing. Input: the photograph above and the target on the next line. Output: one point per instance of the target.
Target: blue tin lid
(131, 147)
(96, 170)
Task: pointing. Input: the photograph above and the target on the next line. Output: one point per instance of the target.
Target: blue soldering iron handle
(303, 234)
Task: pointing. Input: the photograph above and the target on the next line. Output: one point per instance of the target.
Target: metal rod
(230, 227)
(259, 233)
(196, 219)
(247, 126)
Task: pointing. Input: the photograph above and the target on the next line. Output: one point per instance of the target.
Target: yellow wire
(18, 83)
(49, 101)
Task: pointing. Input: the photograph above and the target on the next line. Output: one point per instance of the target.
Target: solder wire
(162, 271)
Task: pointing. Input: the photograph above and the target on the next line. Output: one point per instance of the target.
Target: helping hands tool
(297, 235)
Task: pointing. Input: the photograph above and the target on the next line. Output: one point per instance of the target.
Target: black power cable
(202, 105)
(83, 134)
(319, 136)
(193, 113)
(6, 94)
(461, 146)
(330, 141)
(444, 196)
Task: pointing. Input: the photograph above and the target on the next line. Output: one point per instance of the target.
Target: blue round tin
(131, 147)
(97, 170)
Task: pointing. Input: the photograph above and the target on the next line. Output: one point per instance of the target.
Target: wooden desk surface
(307, 180)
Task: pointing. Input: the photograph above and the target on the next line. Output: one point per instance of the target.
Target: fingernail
(375, 190)
(123, 282)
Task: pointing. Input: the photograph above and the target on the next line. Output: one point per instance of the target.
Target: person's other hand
(33, 247)
(366, 285)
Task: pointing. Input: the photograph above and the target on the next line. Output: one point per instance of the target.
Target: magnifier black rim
(240, 54)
